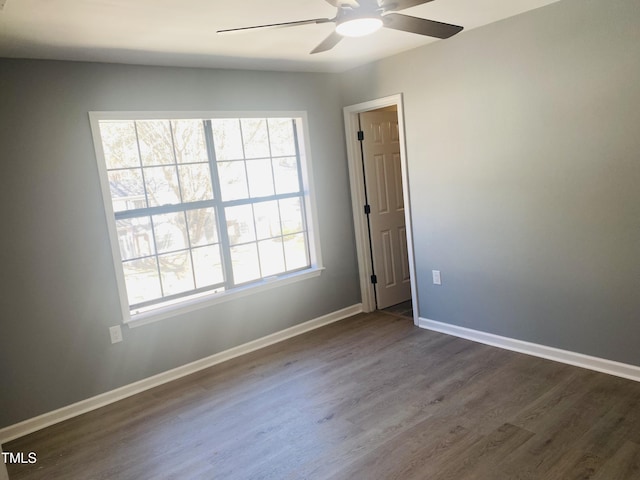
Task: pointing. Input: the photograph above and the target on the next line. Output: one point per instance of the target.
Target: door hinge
(374, 279)
(360, 135)
(367, 209)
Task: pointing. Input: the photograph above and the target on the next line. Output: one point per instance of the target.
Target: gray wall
(58, 285)
(523, 143)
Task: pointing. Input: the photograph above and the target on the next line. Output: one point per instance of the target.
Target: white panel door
(383, 178)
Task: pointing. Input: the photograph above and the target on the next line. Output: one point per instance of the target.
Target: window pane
(282, 138)
(189, 142)
(163, 168)
(295, 250)
(260, 178)
(127, 189)
(162, 186)
(119, 144)
(143, 282)
(176, 271)
(291, 214)
(244, 260)
(255, 137)
(267, 219)
(208, 266)
(227, 139)
(240, 227)
(156, 144)
(171, 232)
(203, 229)
(271, 257)
(286, 174)
(233, 180)
(135, 237)
(195, 182)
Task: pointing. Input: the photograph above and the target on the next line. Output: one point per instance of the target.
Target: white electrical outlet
(116, 334)
(436, 277)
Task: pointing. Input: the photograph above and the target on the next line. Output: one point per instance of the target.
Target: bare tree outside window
(204, 204)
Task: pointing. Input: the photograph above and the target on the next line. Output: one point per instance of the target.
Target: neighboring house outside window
(200, 209)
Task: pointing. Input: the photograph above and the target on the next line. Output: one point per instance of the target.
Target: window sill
(191, 305)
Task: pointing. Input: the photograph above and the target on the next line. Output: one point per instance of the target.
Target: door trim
(356, 180)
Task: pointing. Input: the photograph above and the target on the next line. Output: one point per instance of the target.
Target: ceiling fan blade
(397, 5)
(277, 25)
(421, 26)
(328, 43)
(342, 3)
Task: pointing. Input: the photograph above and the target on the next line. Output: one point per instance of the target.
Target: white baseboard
(37, 423)
(624, 370)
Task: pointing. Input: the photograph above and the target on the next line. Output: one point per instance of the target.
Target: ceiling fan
(355, 18)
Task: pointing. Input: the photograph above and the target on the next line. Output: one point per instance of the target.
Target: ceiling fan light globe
(359, 27)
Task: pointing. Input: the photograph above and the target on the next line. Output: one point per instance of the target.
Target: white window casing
(205, 207)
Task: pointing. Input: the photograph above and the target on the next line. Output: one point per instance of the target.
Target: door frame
(356, 180)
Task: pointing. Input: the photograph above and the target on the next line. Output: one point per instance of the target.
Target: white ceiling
(182, 32)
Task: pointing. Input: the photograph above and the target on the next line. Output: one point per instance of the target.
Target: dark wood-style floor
(370, 397)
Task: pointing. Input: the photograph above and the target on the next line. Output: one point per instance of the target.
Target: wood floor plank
(624, 464)
(371, 397)
(482, 460)
(417, 449)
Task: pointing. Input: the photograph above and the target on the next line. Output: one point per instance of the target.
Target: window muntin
(205, 205)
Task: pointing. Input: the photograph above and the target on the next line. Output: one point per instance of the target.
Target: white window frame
(191, 303)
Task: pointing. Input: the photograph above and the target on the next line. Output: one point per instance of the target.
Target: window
(203, 206)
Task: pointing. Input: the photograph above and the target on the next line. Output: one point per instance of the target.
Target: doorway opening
(381, 208)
